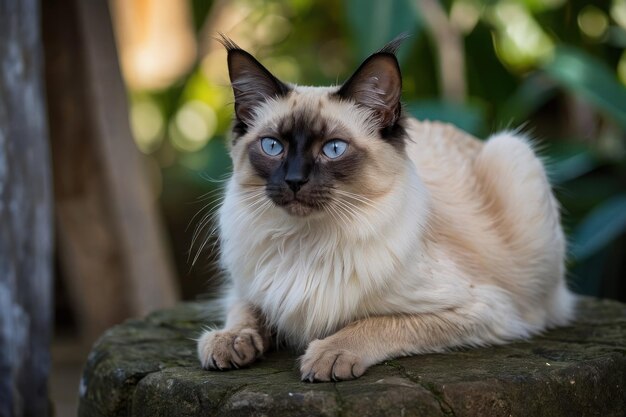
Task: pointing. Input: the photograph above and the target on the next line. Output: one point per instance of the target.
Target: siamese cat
(357, 234)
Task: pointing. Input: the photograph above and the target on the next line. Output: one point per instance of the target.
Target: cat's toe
(223, 350)
(248, 346)
(330, 364)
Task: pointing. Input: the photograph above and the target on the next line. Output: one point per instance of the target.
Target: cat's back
(442, 152)
(494, 212)
(432, 140)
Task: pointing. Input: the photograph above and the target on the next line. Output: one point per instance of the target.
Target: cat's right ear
(252, 83)
(377, 84)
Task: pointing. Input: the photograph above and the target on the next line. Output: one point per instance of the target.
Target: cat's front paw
(323, 361)
(225, 349)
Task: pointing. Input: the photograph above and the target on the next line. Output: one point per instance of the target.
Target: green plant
(552, 68)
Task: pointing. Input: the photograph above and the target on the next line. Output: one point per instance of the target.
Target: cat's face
(317, 150)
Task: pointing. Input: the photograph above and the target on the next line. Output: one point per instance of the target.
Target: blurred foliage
(555, 69)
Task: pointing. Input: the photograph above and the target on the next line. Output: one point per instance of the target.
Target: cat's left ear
(252, 83)
(377, 85)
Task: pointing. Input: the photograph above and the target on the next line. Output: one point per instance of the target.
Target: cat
(358, 234)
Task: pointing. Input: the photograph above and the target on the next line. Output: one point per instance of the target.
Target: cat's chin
(299, 209)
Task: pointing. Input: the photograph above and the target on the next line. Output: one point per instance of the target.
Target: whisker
(253, 205)
(209, 194)
(337, 215)
(358, 213)
(344, 213)
(209, 217)
(206, 177)
(211, 206)
(361, 199)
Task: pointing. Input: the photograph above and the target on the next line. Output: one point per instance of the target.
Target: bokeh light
(593, 22)
(155, 40)
(193, 126)
(146, 121)
(520, 41)
(618, 12)
(621, 68)
(464, 14)
(182, 103)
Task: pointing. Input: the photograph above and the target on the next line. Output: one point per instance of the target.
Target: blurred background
(554, 68)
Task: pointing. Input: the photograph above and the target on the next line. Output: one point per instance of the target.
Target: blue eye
(334, 148)
(271, 146)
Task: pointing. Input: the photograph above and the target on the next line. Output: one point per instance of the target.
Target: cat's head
(317, 150)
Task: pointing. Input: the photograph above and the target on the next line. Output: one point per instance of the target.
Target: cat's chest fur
(310, 278)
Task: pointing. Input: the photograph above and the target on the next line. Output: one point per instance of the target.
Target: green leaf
(585, 75)
(586, 277)
(569, 168)
(600, 227)
(466, 117)
(533, 93)
(376, 22)
(567, 161)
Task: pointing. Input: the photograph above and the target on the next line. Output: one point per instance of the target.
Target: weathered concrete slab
(149, 368)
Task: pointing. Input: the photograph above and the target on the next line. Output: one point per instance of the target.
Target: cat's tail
(527, 217)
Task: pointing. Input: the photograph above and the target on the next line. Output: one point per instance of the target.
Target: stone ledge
(149, 368)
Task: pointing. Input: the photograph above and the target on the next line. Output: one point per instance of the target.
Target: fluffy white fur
(312, 276)
(452, 242)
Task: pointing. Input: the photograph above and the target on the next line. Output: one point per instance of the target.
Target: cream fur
(455, 243)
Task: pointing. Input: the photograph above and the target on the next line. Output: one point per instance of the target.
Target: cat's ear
(377, 84)
(252, 83)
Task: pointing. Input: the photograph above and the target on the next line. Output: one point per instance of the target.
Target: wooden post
(25, 215)
(111, 241)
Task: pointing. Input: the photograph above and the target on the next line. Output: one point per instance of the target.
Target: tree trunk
(25, 215)
(114, 259)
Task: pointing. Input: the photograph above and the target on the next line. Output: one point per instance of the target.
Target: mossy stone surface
(149, 368)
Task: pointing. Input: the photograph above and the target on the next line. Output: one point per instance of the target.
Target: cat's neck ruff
(310, 276)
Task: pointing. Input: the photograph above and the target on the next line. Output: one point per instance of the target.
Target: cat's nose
(298, 170)
(295, 183)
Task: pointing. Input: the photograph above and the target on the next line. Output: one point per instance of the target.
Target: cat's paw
(324, 362)
(225, 349)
